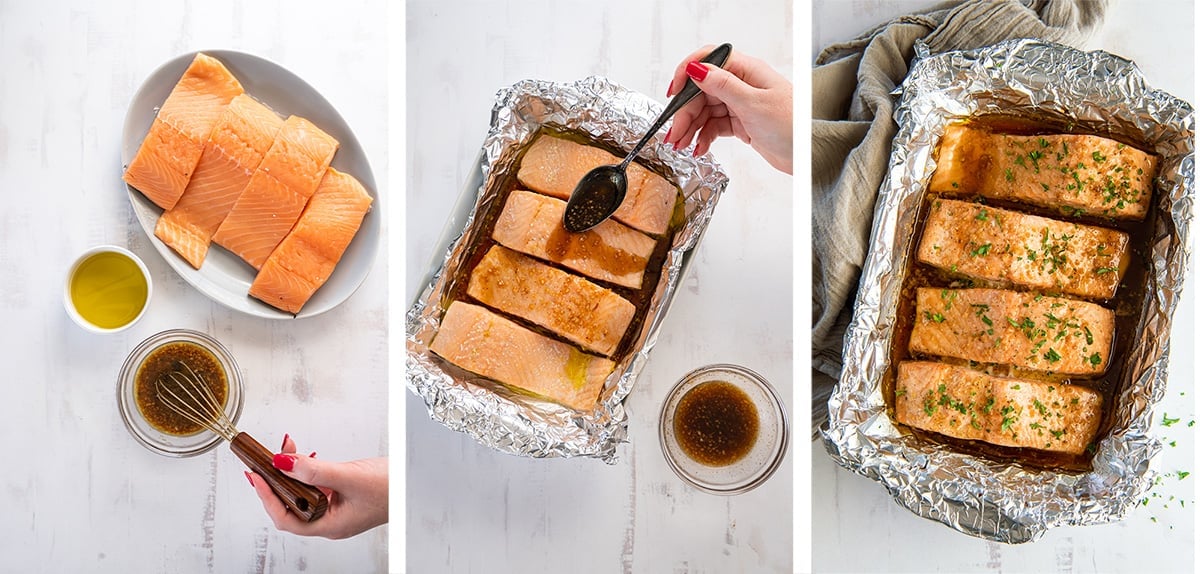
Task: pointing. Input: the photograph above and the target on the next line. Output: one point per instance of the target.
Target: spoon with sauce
(602, 190)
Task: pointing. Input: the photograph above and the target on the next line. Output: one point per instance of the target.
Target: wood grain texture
(472, 509)
(1155, 537)
(85, 496)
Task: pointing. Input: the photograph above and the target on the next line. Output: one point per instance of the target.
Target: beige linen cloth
(853, 129)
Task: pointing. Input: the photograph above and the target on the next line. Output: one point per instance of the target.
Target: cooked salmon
(532, 224)
(277, 192)
(1078, 174)
(237, 145)
(985, 242)
(305, 259)
(554, 166)
(168, 155)
(489, 345)
(964, 403)
(571, 306)
(1026, 330)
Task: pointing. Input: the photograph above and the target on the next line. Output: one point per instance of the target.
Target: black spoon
(602, 190)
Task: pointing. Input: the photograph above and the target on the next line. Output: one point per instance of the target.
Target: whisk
(183, 391)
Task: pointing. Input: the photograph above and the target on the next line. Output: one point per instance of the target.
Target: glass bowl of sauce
(151, 422)
(723, 429)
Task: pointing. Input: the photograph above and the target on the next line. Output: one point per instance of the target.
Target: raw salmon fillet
(1078, 174)
(532, 224)
(305, 258)
(1007, 327)
(554, 166)
(571, 306)
(1000, 245)
(487, 344)
(289, 173)
(234, 150)
(167, 157)
(966, 404)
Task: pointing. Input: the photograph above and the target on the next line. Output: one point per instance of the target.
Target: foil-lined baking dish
(604, 113)
(1096, 93)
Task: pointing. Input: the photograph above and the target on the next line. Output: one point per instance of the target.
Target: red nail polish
(696, 71)
(284, 443)
(283, 461)
(312, 454)
(671, 87)
(668, 136)
(248, 477)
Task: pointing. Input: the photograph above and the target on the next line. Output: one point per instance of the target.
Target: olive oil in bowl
(108, 289)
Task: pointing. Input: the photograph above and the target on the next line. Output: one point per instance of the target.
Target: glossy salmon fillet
(168, 155)
(275, 197)
(571, 306)
(1077, 174)
(532, 224)
(234, 150)
(305, 259)
(1026, 330)
(489, 345)
(964, 403)
(1000, 245)
(554, 166)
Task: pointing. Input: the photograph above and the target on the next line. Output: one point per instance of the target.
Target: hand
(747, 99)
(357, 491)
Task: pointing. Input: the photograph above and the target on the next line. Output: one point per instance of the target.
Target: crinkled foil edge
(496, 416)
(1005, 502)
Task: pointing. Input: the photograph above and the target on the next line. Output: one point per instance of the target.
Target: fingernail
(668, 138)
(284, 444)
(312, 454)
(283, 461)
(248, 477)
(671, 87)
(696, 71)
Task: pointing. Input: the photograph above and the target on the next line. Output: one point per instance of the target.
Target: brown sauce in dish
(160, 363)
(1127, 303)
(716, 423)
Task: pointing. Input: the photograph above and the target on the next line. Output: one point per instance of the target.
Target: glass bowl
(764, 456)
(154, 439)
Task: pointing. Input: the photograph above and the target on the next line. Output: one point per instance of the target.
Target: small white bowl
(69, 304)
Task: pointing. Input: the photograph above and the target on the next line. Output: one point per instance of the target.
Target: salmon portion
(234, 150)
(571, 306)
(554, 166)
(168, 155)
(532, 224)
(489, 345)
(1001, 245)
(966, 404)
(1078, 174)
(1007, 327)
(277, 192)
(305, 258)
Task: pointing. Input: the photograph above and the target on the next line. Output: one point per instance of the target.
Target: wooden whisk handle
(304, 500)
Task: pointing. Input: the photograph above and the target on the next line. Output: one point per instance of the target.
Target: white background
(1158, 537)
(80, 494)
(472, 509)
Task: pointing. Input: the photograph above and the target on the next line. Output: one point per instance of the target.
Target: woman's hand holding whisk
(357, 491)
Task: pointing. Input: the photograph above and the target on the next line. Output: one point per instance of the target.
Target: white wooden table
(472, 509)
(851, 513)
(81, 494)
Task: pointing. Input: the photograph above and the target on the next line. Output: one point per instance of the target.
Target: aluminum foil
(1099, 93)
(493, 415)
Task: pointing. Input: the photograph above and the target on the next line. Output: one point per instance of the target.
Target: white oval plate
(224, 277)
